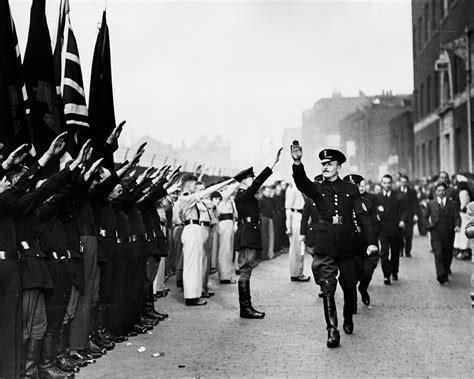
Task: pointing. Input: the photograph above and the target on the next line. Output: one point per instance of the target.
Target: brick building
(367, 138)
(402, 144)
(440, 85)
(320, 127)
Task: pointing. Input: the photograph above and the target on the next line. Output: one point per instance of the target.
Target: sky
(245, 70)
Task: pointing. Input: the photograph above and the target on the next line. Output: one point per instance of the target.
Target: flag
(101, 99)
(38, 69)
(14, 119)
(67, 67)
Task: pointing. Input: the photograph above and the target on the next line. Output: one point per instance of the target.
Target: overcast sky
(245, 70)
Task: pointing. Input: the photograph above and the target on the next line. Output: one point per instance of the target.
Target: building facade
(321, 125)
(441, 93)
(368, 136)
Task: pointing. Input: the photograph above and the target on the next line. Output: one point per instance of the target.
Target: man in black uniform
(334, 251)
(248, 238)
(366, 264)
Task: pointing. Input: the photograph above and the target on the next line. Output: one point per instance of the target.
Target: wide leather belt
(335, 220)
(29, 244)
(121, 240)
(226, 216)
(87, 230)
(108, 233)
(197, 222)
(296, 210)
(139, 237)
(10, 255)
(60, 255)
(249, 220)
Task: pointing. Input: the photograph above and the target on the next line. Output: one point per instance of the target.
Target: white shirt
(442, 201)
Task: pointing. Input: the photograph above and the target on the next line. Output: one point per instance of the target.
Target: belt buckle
(336, 220)
(55, 255)
(3, 255)
(102, 232)
(25, 245)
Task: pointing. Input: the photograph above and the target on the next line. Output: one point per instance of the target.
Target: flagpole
(469, 83)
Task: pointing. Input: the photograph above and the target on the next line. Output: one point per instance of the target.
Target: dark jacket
(409, 204)
(309, 221)
(338, 199)
(389, 211)
(439, 220)
(248, 234)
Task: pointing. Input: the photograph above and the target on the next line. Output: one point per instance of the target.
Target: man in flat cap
(365, 264)
(248, 238)
(336, 201)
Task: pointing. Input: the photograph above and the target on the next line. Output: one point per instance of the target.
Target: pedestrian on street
(443, 220)
(390, 214)
(334, 251)
(409, 204)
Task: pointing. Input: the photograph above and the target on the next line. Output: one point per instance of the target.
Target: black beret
(216, 195)
(353, 178)
(189, 178)
(244, 174)
(329, 155)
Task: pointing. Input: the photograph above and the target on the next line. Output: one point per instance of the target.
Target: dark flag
(14, 119)
(101, 99)
(69, 81)
(38, 68)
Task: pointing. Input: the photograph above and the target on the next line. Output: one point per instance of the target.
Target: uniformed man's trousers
(34, 315)
(268, 238)
(56, 299)
(226, 247)
(79, 333)
(10, 319)
(296, 259)
(119, 306)
(177, 247)
(325, 271)
(365, 267)
(389, 254)
(207, 256)
(247, 262)
(193, 252)
(159, 280)
(214, 238)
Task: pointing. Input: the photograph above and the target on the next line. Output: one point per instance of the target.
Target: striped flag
(69, 81)
(14, 112)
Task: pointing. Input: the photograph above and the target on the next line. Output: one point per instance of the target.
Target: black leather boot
(246, 309)
(100, 337)
(330, 314)
(348, 324)
(47, 366)
(32, 356)
(62, 361)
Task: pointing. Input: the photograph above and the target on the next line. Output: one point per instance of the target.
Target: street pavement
(413, 328)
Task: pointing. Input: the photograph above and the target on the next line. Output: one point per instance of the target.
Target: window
(428, 94)
(422, 105)
(427, 22)
(423, 159)
(436, 90)
(430, 157)
(420, 33)
(444, 7)
(433, 15)
(415, 105)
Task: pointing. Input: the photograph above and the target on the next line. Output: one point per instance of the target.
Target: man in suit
(442, 217)
(409, 205)
(336, 202)
(390, 215)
